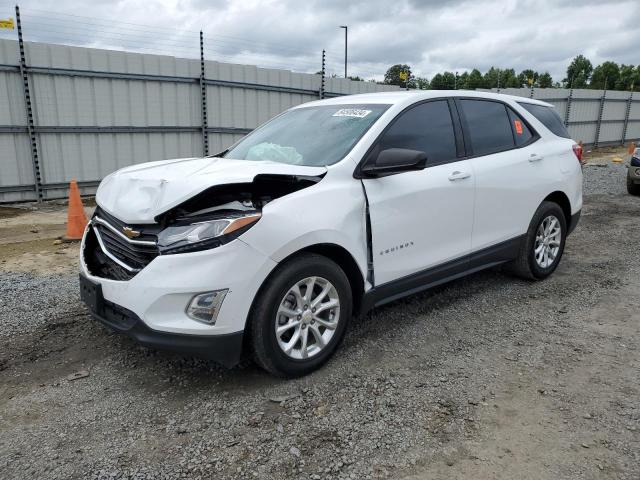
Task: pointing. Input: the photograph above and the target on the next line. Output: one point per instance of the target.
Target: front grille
(135, 256)
(110, 254)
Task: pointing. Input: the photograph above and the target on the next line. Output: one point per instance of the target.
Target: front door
(421, 219)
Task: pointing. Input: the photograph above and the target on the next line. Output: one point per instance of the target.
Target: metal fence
(595, 117)
(73, 112)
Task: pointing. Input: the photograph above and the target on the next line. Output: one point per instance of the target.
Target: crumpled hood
(139, 193)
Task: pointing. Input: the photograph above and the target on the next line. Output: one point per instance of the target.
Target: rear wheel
(632, 188)
(543, 245)
(301, 316)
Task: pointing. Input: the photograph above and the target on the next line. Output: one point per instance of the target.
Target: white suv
(328, 210)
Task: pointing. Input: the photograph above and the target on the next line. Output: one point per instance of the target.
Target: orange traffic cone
(631, 148)
(76, 219)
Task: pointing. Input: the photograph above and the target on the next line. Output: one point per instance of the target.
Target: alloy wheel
(307, 317)
(547, 244)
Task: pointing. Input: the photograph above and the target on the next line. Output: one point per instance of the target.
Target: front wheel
(300, 316)
(543, 245)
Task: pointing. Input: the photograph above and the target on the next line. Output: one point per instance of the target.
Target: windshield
(310, 136)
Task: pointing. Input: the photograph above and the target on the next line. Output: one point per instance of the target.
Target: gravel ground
(608, 178)
(56, 296)
(486, 377)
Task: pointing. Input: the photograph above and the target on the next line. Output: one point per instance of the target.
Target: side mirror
(395, 160)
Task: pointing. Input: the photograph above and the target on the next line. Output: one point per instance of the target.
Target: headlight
(203, 235)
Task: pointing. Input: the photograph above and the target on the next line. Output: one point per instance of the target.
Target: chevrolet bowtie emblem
(130, 232)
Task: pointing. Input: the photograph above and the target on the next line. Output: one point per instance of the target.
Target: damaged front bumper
(152, 305)
(224, 349)
(160, 250)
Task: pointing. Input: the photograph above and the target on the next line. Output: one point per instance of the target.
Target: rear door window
(427, 127)
(489, 126)
(548, 117)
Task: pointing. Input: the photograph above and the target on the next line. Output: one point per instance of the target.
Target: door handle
(535, 157)
(457, 175)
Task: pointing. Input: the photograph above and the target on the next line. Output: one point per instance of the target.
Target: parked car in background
(328, 210)
(633, 173)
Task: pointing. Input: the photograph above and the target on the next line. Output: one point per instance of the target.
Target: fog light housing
(205, 307)
(638, 172)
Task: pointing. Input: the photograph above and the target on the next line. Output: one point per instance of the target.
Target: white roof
(407, 97)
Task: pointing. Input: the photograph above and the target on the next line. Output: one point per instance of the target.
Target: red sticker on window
(518, 125)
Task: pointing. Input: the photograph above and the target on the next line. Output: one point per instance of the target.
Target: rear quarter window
(521, 131)
(548, 117)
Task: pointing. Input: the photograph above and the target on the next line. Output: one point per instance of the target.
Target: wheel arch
(341, 257)
(563, 201)
(334, 252)
(347, 263)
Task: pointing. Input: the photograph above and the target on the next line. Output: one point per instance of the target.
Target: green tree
(605, 75)
(491, 79)
(475, 80)
(392, 77)
(508, 78)
(629, 75)
(420, 83)
(578, 72)
(526, 76)
(463, 81)
(545, 80)
(437, 82)
(443, 81)
(356, 78)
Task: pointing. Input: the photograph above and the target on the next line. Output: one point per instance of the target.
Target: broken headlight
(205, 234)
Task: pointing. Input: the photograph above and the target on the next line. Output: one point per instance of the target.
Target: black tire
(266, 351)
(632, 188)
(525, 265)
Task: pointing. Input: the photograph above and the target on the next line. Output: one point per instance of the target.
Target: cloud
(430, 35)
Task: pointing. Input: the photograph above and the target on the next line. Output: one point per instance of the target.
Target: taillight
(577, 151)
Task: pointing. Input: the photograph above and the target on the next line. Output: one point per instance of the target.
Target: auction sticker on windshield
(352, 112)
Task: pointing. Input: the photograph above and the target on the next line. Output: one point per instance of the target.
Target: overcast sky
(429, 35)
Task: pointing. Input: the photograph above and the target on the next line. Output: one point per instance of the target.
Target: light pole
(346, 29)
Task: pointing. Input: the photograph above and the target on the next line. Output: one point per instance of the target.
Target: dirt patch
(29, 240)
(39, 256)
(605, 155)
(9, 212)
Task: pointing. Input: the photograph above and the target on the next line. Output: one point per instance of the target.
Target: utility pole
(37, 175)
(603, 100)
(203, 100)
(531, 87)
(322, 73)
(346, 30)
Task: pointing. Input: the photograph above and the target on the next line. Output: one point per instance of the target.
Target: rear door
(510, 167)
(421, 219)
